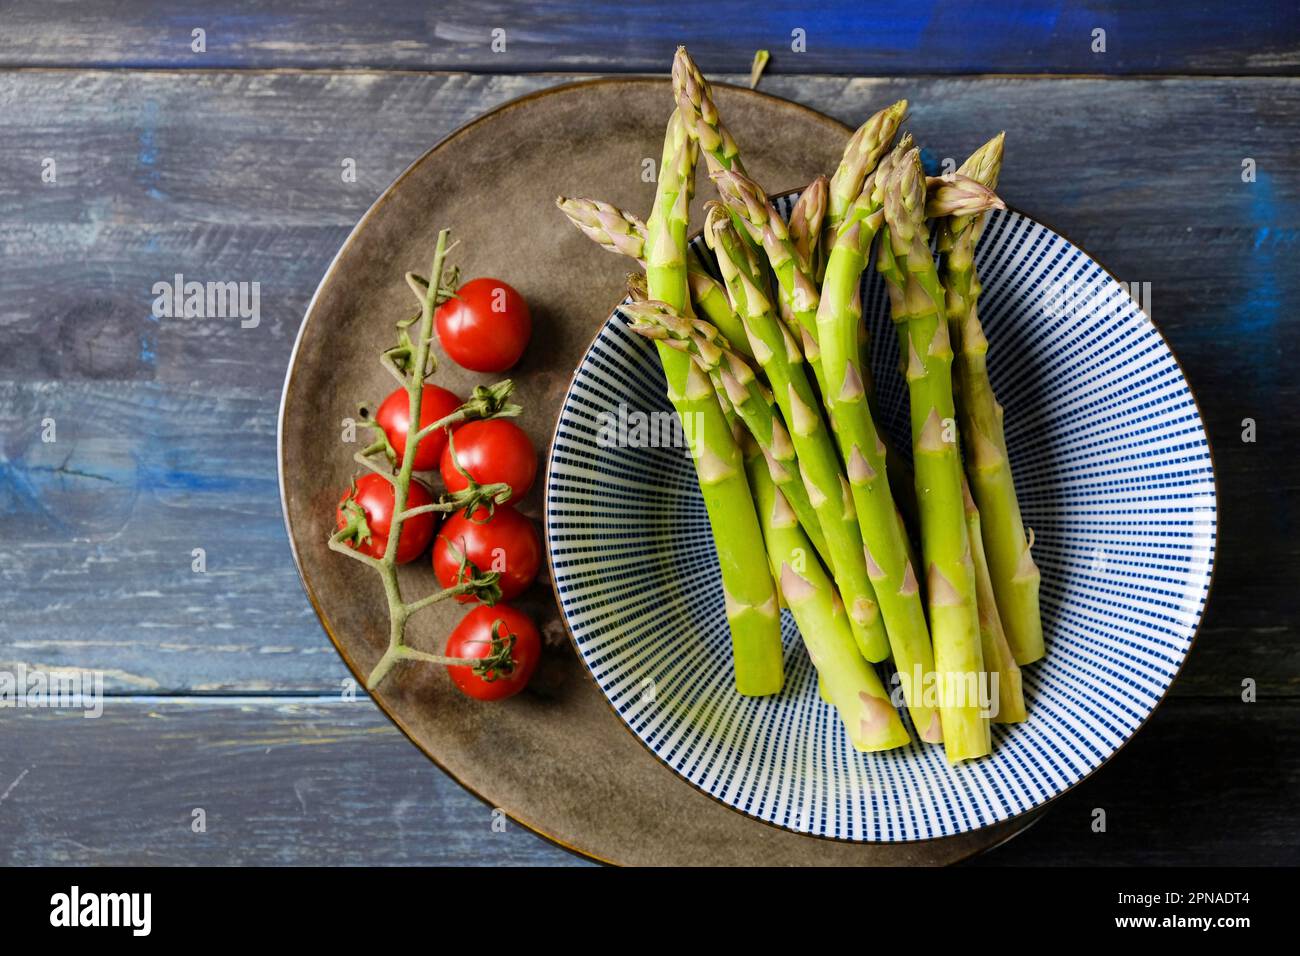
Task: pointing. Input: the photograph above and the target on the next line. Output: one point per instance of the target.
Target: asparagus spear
(621, 232)
(748, 588)
(888, 564)
(805, 225)
(993, 639)
(845, 680)
(700, 114)
(866, 147)
(957, 197)
(807, 217)
(828, 489)
(917, 301)
(901, 482)
(734, 378)
(1011, 565)
(754, 213)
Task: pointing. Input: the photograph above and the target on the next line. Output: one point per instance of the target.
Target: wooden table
(226, 165)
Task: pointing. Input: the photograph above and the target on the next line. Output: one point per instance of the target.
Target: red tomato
(493, 450)
(506, 542)
(375, 495)
(473, 638)
(486, 327)
(394, 417)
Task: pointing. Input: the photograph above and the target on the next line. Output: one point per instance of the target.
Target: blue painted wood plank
(278, 783)
(102, 525)
(843, 37)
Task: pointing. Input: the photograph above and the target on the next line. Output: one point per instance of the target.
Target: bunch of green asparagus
(769, 367)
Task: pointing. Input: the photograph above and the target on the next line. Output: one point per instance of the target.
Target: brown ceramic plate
(555, 758)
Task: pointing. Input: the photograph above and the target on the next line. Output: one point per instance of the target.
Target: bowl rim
(1035, 812)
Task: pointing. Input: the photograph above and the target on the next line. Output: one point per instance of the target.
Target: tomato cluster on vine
(484, 551)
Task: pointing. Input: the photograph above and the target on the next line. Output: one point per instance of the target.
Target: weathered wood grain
(843, 36)
(166, 428)
(330, 783)
(280, 782)
(101, 525)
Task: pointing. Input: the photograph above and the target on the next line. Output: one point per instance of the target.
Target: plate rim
(1032, 814)
(329, 274)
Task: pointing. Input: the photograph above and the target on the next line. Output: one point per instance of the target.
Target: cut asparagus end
(846, 681)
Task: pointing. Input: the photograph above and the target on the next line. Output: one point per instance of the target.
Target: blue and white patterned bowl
(1115, 479)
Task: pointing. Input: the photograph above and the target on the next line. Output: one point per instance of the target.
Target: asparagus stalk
(887, 552)
(954, 194)
(623, 233)
(993, 639)
(1011, 565)
(845, 680)
(748, 588)
(901, 481)
(828, 489)
(710, 297)
(753, 403)
(807, 217)
(805, 225)
(700, 114)
(957, 197)
(754, 213)
(866, 147)
(917, 301)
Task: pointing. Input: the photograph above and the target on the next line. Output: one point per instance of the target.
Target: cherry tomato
(375, 496)
(486, 327)
(394, 417)
(493, 450)
(473, 638)
(506, 542)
